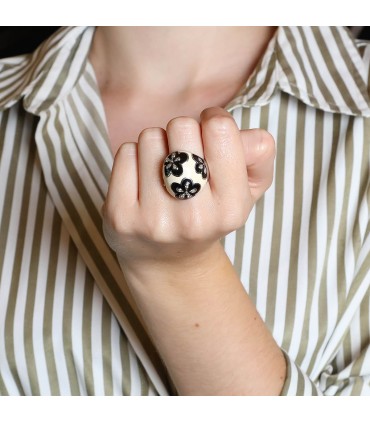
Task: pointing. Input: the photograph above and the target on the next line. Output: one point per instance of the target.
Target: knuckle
(190, 227)
(182, 123)
(113, 217)
(231, 223)
(155, 234)
(220, 124)
(267, 147)
(126, 148)
(151, 133)
(155, 228)
(194, 226)
(235, 217)
(270, 178)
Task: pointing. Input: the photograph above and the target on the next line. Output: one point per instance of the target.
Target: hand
(145, 225)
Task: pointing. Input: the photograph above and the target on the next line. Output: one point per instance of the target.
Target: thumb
(259, 150)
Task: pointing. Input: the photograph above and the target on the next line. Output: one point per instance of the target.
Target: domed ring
(184, 174)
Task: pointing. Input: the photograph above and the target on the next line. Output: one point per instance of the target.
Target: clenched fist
(145, 225)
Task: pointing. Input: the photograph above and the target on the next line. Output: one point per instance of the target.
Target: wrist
(190, 264)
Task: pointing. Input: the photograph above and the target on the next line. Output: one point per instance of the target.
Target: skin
(203, 323)
(150, 75)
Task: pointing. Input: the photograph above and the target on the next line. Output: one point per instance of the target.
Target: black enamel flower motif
(185, 189)
(173, 163)
(200, 166)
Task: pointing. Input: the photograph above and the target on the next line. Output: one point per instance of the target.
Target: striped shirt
(67, 327)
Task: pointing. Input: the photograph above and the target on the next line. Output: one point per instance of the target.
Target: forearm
(206, 328)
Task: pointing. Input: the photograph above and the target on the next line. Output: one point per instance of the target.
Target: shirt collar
(42, 78)
(321, 66)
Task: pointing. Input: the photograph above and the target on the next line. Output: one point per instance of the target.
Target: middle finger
(183, 133)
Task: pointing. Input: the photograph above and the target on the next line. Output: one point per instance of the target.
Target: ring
(184, 174)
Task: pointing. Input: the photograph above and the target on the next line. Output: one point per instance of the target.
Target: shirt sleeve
(354, 379)
(297, 383)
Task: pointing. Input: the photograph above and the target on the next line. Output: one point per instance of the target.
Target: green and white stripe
(67, 322)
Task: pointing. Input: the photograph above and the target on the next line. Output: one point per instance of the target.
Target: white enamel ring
(184, 174)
